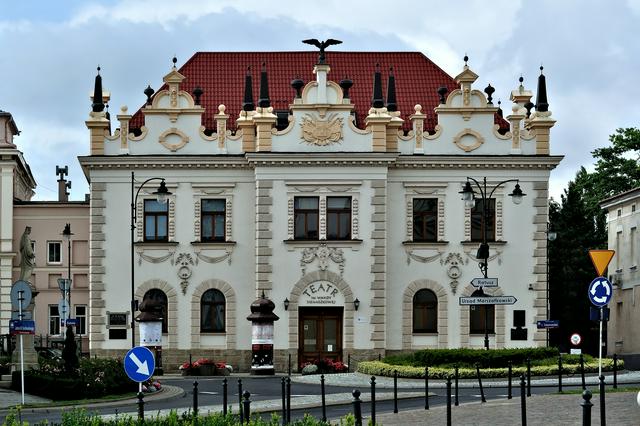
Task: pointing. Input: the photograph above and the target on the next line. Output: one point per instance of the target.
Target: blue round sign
(600, 292)
(139, 364)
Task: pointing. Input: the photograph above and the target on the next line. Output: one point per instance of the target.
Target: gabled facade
(356, 233)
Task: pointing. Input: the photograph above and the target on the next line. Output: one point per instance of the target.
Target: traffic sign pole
(20, 300)
(600, 346)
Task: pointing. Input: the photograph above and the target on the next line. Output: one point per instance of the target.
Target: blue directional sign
(22, 327)
(139, 364)
(600, 292)
(548, 324)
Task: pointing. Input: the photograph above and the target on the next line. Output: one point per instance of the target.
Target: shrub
(309, 369)
(469, 357)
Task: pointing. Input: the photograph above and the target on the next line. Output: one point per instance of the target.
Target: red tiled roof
(221, 76)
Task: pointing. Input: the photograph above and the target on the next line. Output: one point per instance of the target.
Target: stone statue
(27, 257)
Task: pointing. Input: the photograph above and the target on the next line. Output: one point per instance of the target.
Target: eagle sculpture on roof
(321, 45)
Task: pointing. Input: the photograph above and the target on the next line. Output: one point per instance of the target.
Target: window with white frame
(213, 218)
(54, 252)
(81, 318)
(54, 319)
(338, 218)
(425, 219)
(489, 220)
(306, 218)
(156, 221)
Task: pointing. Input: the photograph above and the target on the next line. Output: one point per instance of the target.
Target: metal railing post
(373, 400)
(288, 400)
(456, 401)
(559, 372)
(482, 398)
(586, 408)
(357, 409)
(603, 417)
(247, 406)
(426, 388)
(528, 376)
(615, 371)
(240, 398)
(284, 402)
(448, 400)
(225, 401)
(584, 385)
(140, 405)
(395, 391)
(523, 401)
(324, 405)
(195, 397)
(509, 377)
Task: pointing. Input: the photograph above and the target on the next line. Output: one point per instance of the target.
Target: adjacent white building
(356, 232)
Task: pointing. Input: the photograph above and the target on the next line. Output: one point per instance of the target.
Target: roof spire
(247, 103)
(541, 97)
(378, 100)
(98, 104)
(392, 104)
(264, 101)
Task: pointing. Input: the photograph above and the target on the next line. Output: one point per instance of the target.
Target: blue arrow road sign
(139, 364)
(600, 292)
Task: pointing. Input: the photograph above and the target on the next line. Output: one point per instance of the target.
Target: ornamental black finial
(197, 93)
(466, 59)
(542, 105)
(149, 92)
(442, 92)
(247, 103)
(528, 106)
(500, 113)
(521, 79)
(346, 84)
(264, 101)
(377, 101)
(297, 83)
(174, 60)
(98, 104)
(392, 104)
(489, 90)
(322, 45)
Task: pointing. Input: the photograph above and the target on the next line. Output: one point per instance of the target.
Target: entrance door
(320, 334)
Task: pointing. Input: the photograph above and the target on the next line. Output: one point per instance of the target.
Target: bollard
(289, 366)
(379, 357)
(586, 408)
(224, 397)
(284, 403)
(523, 401)
(482, 398)
(560, 373)
(357, 409)
(373, 400)
(584, 386)
(324, 405)
(288, 400)
(348, 363)
(247, 406)
(528, 376)
(448, 400)
(426, 388)
(240, 398)
(195, 398)
(395, 391)
(615, 371)
(603, 417)
(140, 406)
(457, 376)
(509, 376)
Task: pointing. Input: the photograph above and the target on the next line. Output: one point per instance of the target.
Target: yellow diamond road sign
(601, 259)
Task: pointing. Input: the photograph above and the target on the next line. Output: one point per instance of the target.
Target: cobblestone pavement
(548, 410)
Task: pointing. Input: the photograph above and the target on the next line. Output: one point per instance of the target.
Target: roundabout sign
(600, 292)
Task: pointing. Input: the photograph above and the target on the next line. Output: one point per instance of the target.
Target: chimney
(63, 185)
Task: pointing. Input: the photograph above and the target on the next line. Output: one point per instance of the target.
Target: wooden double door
(320, 334)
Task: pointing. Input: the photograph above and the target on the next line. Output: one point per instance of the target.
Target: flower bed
(205, 367)
(323, 366)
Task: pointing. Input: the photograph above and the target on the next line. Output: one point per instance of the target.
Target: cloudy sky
(50, 50)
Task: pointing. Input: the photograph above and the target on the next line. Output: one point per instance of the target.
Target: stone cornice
(321, 159)
(548, 162)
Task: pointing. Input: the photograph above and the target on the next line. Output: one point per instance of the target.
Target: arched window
(425, 312)
(160, 298)
(212, 312)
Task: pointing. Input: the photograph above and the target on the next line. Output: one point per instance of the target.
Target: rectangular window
(81, 317)
(338, 218)
(479, 316)
(306, 213)
(54, 320)
(117, 334)
(489, 220)
(632, 246)
(618, 242)
(212, 220)
(156, 221)
(54, 252)
(425, 219)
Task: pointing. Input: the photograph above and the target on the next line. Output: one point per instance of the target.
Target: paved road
(305, 389)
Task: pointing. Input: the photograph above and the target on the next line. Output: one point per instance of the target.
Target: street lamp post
(161, 195)
(469, 197)
(66, 234)
(551, 236)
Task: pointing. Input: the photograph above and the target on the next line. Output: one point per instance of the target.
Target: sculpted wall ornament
(453, 261)
(184, 139)
(316, 131)
(479, 140)
(421, 259)
(324, 254)
(184, 271)
(215, 259)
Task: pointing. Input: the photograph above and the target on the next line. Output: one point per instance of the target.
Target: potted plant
(205, 367)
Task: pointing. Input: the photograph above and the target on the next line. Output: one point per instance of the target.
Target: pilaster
(264, 235)
(378, 263)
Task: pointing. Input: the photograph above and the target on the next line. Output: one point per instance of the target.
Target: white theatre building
(339, 197)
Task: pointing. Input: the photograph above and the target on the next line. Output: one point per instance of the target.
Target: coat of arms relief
(321, 132)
